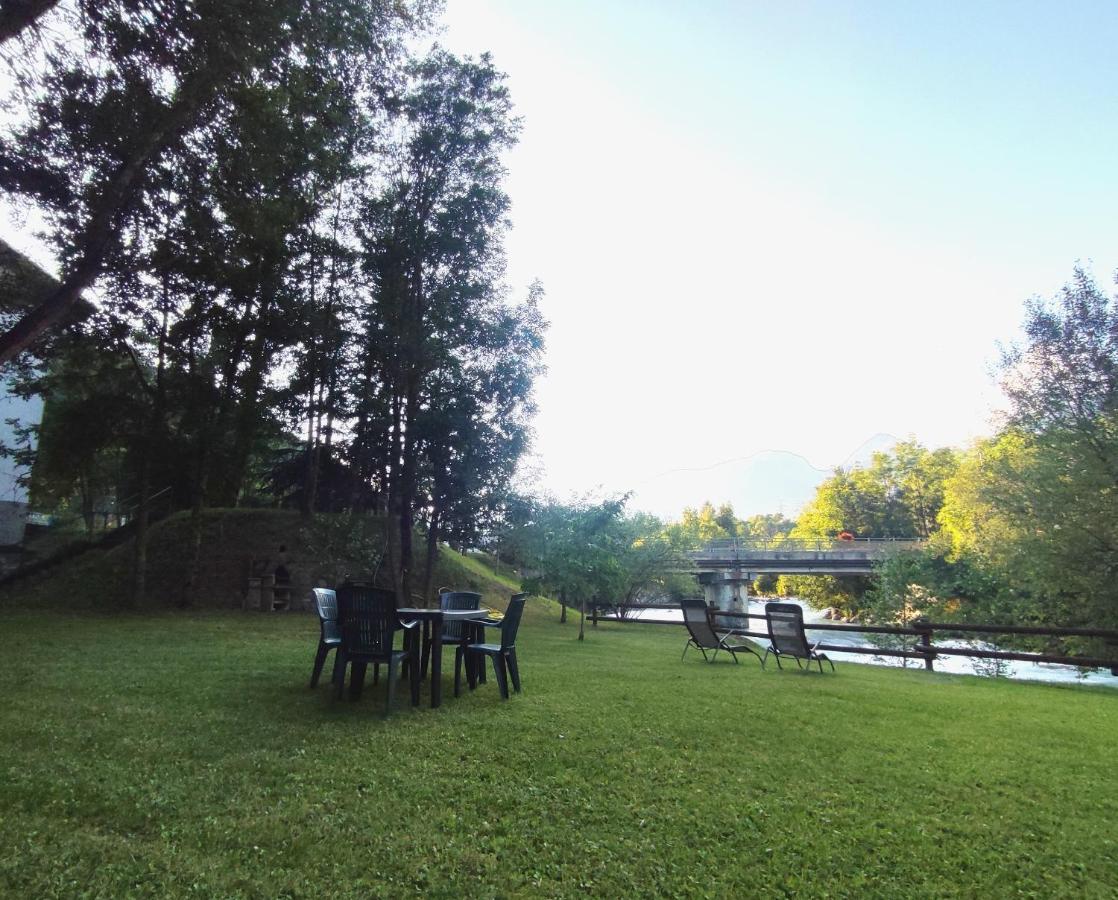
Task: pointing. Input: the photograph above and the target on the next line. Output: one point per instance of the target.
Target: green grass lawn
(173, 755)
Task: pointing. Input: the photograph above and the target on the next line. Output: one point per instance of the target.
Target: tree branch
(16, 16)
(101, 230)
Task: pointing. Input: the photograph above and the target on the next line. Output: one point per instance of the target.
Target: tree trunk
(143, 513)
(392, 532)
(88, 515)
(155, 422)
(310, 476)
(406, 493)
(562, 607)
(432, 553)
(582, 619)
(259, 357)
(194, 549)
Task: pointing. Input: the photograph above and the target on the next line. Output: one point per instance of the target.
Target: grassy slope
(231, 540)
(182, 753)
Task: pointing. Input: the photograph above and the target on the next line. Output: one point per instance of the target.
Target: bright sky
(791, 225)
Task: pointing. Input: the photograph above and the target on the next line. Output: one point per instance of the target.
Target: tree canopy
(293, 229)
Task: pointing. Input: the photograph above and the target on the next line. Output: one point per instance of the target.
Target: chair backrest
(695, 618)
(786, 628)
(326, 605)
(367, 616)
(511, 621)
(457, 600)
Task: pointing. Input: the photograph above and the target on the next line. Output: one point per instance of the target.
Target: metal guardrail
(736, 547)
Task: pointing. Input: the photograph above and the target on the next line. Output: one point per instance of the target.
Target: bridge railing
(739, 547)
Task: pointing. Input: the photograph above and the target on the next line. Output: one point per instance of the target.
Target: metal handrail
(746, 544)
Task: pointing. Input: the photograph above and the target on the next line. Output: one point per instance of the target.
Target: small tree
(574, 550)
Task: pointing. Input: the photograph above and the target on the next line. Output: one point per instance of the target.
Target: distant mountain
(879, 443)
(774, 481)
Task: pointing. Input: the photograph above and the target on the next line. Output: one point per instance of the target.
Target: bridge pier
(727, 591)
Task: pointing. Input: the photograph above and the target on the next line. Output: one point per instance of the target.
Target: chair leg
(776, 656)
(393, 669)
(319, 662)
(686, 647)
(458, 652)
(514, 670)
(765, 658)
(425, 657)
(376, 673)
(340, 664)
(499, 671)
(472, 667)
(357, 679)
(413, 674)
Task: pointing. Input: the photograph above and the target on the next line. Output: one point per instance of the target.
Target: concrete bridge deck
(797, 557)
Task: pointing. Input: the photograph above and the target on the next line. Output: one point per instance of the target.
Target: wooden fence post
(921, 625)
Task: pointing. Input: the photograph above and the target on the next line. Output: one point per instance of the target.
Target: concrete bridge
(725, 568)
(814, 557)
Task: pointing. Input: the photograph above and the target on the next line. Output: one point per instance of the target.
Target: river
(958, 665)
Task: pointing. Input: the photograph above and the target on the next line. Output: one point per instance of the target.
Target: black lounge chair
(703, 635)
(330, 635)
(787, 638)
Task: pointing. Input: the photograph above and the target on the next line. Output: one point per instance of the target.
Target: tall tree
(434, 252)
(1029, 529)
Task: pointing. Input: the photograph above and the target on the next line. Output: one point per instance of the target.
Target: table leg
(410, 646)
(414, 638)
(481, 656)
(426, 648)
(433, 627)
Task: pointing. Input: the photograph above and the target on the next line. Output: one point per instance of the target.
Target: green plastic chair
(503, 654)
(454, 634)
(368, 620)
(330, 635)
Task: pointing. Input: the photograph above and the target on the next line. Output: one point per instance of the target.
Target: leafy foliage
(1029, 522)
(295, 230)
(899, 495)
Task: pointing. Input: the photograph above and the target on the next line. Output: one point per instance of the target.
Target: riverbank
(954, 665)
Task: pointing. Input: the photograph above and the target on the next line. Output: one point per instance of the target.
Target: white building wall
(13, 496)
